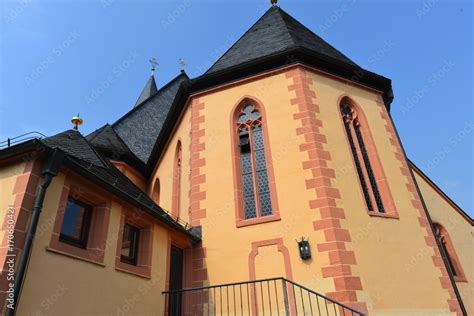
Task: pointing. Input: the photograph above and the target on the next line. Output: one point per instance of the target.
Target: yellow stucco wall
(57, 284)
(394, 276)
(393, 261)
(8, 177)
(396, 279)
(460, 232)
(164, 169)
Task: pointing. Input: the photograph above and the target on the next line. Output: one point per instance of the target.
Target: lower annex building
(288, 192)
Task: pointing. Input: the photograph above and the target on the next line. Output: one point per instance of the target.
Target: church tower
(274, 183)
(286, 139)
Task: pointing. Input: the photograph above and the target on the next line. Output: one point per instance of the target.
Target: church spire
(150, 87)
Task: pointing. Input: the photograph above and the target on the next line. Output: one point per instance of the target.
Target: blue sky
(61, 57)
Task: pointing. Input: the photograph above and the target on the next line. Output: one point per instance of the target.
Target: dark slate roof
(83, 158)
(140, 127)
(148, 91)
(275, 32)
(72, 143)
(105, 138)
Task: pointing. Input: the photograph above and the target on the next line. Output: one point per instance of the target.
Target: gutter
(50, 170)
(425, 208)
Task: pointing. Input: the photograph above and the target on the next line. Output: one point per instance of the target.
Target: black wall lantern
(305, 250)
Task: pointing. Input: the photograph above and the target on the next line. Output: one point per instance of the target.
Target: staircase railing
(274, 296)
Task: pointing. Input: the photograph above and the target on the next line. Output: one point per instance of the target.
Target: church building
(274, 183)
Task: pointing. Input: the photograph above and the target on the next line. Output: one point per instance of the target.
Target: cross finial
(153, 63)
(182, 63)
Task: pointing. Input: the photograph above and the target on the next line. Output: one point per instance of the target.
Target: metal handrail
(21, 138)
(290, 305)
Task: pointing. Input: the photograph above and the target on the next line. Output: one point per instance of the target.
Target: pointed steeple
(150, 88)
(274, 33)
(148, 91)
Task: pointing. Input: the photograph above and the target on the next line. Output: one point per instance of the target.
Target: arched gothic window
(175, 202)
(451, 257)
(254, 175)
(156, 191)
(362, 161)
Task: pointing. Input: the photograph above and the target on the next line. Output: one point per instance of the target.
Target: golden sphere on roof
(274, 2)
(76, 120)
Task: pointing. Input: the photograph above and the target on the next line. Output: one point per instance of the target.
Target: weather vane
(153, 63)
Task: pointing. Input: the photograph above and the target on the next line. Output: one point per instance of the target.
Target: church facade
(274, 182)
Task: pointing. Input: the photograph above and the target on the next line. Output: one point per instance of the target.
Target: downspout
(50, 170)
(425, 208)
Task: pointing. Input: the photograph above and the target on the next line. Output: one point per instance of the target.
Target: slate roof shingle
(106, 139)
(275, 32)
(82, 155)
(72, 143)
(139, 128)
(148, 91)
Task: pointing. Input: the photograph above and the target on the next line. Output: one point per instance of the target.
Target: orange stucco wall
(165, 169)
(393, 269)
(460, 232)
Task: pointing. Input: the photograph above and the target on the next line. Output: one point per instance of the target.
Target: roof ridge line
(149, 85)
(97, 131)
(104, 160)
(280, 11)
(123, 143)
(313, 33)
(242, 36)
(436, 187)
(142, 103)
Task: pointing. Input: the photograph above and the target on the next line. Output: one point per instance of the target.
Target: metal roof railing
(20, 139)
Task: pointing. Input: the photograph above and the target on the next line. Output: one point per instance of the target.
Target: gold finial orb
(274, 2)
(76, 120)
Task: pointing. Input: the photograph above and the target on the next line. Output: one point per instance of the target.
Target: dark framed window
(361, 158)
(129, 250)
(441, 235)
(76, 223)
(253, 163)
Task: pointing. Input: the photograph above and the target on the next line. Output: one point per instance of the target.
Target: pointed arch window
(253, 163)
(450, 253)
(177, 170)
(156, 191)
(363, 164)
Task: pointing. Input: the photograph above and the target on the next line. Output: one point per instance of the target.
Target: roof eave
(275, 61)
(22, 148)
(293, 56)
(37, 145)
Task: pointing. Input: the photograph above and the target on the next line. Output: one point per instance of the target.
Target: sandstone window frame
(236, 127)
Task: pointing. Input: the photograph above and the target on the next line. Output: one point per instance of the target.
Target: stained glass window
(253, 163)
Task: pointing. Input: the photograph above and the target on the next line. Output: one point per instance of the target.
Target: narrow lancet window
(362, 162)
(175, 203)
(253, 163)
(449, 252)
